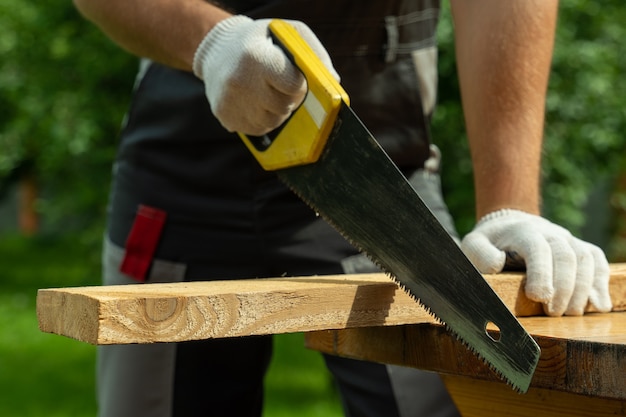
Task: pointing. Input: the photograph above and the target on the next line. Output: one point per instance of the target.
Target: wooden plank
(475, 398)
(581, 355)
(200, 310)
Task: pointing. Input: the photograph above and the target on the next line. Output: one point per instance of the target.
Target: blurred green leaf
(64, 88)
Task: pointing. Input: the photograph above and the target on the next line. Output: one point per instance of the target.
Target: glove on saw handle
(301, 139)
(249, 82)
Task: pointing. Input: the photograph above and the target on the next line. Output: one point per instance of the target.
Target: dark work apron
(176, 160)
(194, 204)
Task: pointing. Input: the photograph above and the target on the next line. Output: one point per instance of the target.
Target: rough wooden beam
(583, 355)
(200, 310)
(476, 398)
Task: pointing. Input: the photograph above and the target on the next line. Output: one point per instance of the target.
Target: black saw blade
(358, 189)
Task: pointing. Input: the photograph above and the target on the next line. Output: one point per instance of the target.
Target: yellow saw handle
(302, 138)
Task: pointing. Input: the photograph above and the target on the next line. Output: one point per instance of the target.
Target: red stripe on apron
(142, 242)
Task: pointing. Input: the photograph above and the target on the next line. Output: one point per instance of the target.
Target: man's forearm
(167, 31)
(504, 51)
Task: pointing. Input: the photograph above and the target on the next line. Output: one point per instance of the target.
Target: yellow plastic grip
(301, 139)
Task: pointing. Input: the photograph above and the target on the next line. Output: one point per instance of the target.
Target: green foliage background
(585, 119)
(64, 88)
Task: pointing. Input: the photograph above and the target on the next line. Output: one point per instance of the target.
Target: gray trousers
(193, 378)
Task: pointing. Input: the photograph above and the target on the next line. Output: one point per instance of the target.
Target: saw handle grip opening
(262, 143)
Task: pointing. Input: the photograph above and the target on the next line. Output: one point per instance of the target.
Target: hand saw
(331, 161)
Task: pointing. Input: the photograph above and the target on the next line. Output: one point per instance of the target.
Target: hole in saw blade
(493, 331)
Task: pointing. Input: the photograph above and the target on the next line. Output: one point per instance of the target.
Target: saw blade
(358, 189)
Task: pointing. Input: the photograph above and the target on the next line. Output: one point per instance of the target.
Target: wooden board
(475, 398)
(148, 313)
(581, 355)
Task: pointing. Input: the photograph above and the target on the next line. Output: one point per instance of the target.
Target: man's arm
(166, 31)
(233, 54)
(504, 51)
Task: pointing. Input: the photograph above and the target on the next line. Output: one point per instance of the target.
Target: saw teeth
(403, 287)
(484, 361)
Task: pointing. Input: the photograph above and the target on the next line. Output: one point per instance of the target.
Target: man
(189, 202)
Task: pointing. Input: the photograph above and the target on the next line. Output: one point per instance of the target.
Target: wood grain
(581, 355)
(475, 398)
(148, 313)
(201, 310)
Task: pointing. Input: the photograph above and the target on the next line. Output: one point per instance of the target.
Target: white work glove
(566, 274)
(251, 85)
